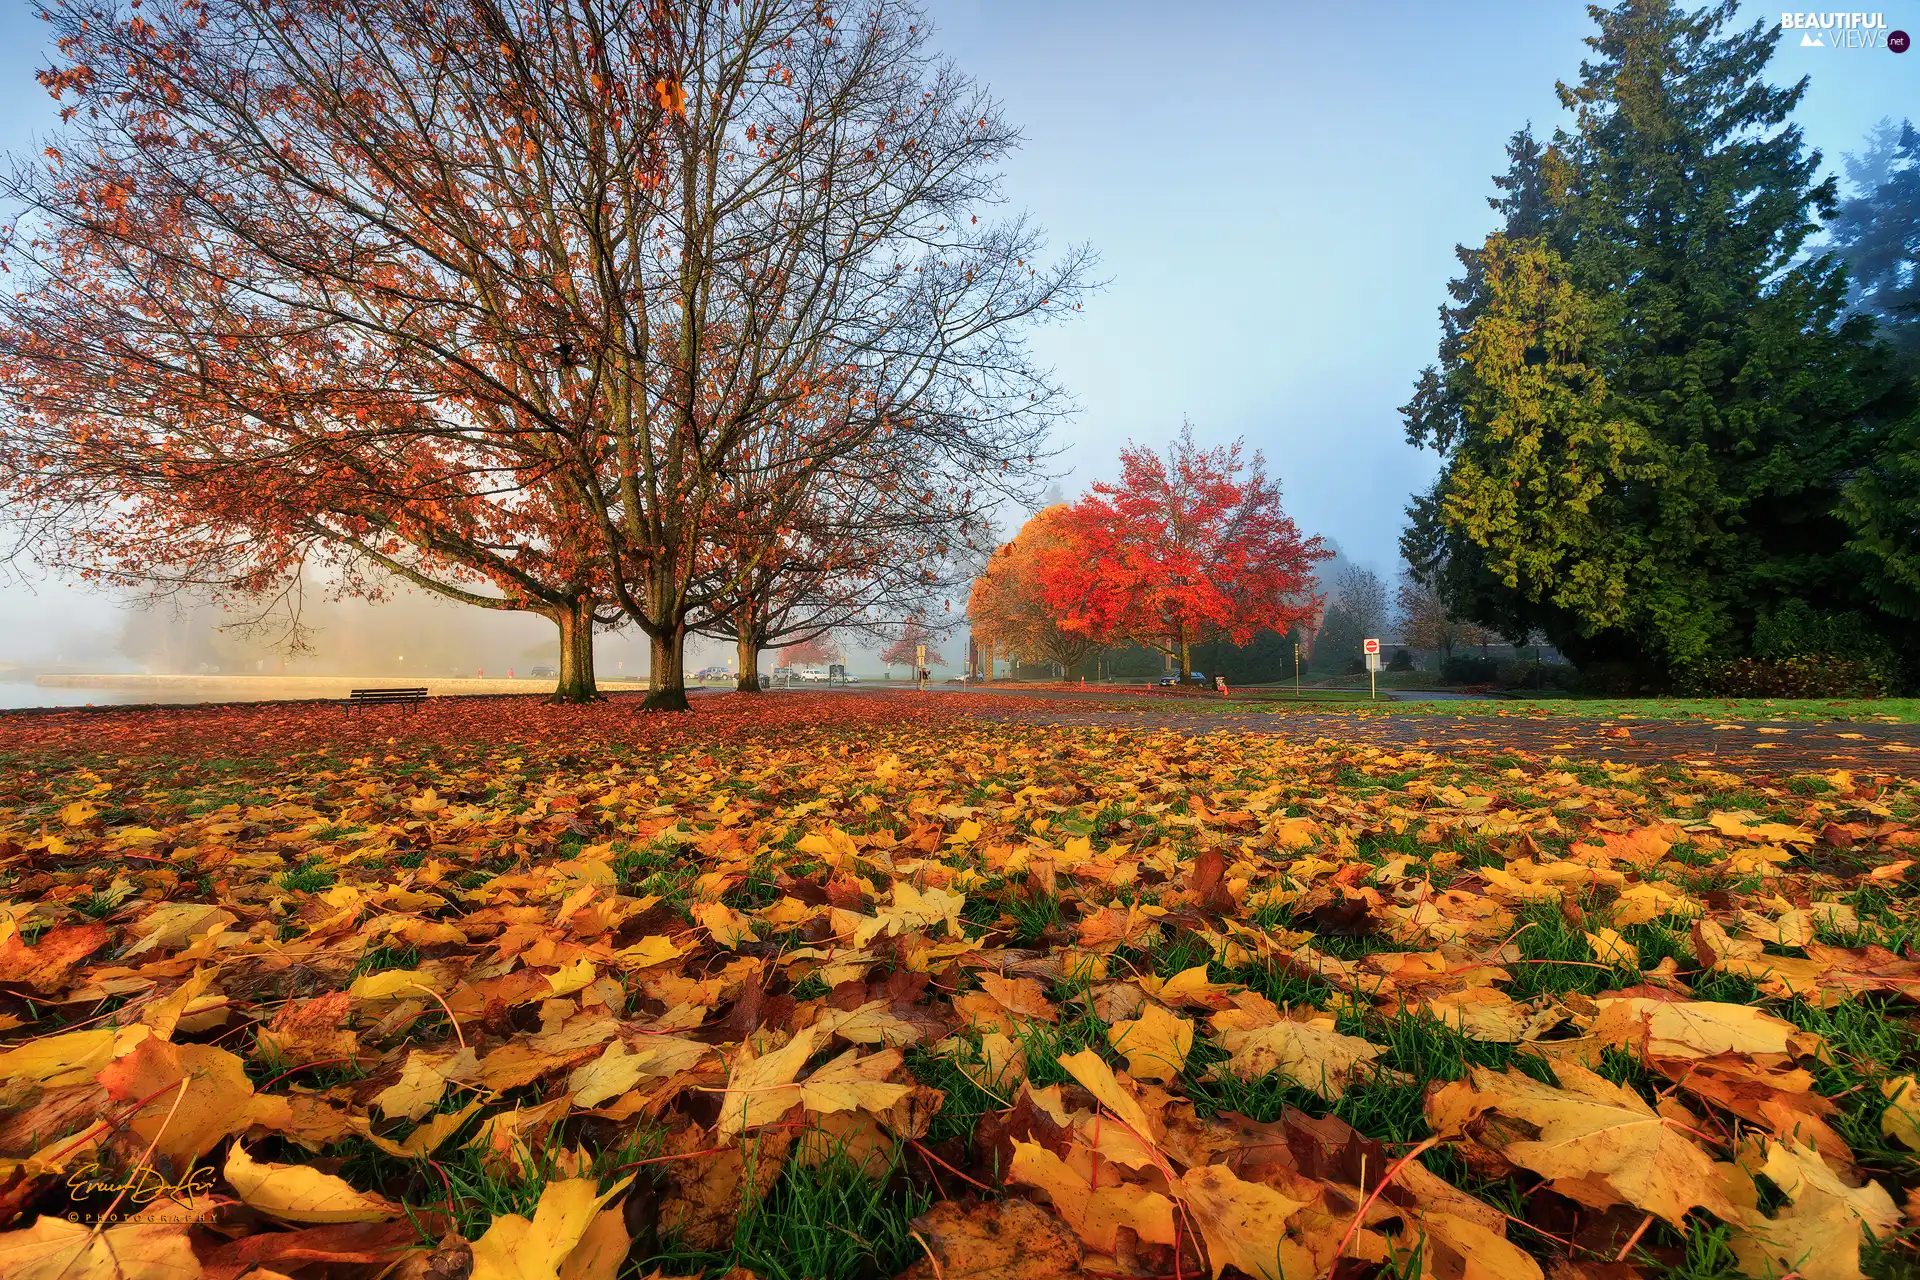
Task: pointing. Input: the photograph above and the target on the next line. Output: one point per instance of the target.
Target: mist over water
(56, 631)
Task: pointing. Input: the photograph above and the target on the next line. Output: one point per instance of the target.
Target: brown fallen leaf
(714, 1184)
(1779, 1097)
(423, 1082)
(1460, 1246)
(1696, 1029)
(309, 1031)
(376, 1243)
(1901, 1120)
(760, 1088)
(1008, 1239)
(48, 965)
(1243, 1223)
(1096, 1214)
(1021, 997)
(1310, 1054)
(424, 1140)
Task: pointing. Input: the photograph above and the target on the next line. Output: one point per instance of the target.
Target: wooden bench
(383, 698)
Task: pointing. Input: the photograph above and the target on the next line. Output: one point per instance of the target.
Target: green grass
(1264, 700)
(831, 1222)
(1903, 710)
(481, 1193)
(311, 876)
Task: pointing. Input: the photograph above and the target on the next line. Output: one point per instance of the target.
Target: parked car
(540, 673)
(814, 677)
(705, 674)
(1194, 677)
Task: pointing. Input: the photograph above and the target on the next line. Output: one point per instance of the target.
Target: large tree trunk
(749, 662)
(576, 653)
(1186, 663)
(667, 680)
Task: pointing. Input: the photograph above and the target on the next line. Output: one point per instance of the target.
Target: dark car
(540, 673)
(1193, 677)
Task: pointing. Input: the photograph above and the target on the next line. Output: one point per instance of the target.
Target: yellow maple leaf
(760, 1089)
(1594, 1136)
(1156, 1043)
(1243, 1223)
(301, 1193)
(567, 1219)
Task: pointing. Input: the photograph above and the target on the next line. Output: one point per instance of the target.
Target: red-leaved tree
(1009, 608)
(809, 652)
(1185, 549)
(905, 650)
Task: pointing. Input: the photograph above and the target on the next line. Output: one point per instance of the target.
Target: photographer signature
(141, 1185)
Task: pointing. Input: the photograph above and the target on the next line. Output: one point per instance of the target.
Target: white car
(814, 677)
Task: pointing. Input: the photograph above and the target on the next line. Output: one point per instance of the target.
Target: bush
(1401, 661)
(1467, 668)
(1616, 679)
(1531, 673)
(1797, 630)
(1814, 675)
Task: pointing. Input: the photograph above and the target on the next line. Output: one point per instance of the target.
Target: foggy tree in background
(810, 651)
(1425, 620)
(904, 650)
(1356, 611)
(1876, 232)
(1180, 551)
(1650, 419)
(858, 546)
(533, 277)
(1009, 609)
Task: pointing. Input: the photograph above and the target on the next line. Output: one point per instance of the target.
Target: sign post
(1371, 648)
(1296, 669)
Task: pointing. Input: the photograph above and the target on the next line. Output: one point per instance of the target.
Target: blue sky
(1275, 190)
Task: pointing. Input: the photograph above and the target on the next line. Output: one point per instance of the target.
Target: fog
(53, 628)
(47, 628)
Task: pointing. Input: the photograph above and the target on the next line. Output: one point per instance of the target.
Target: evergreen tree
(1439, 556)
(1649, 400)
(1876, 232)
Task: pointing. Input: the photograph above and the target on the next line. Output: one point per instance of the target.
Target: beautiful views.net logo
(1843, 31)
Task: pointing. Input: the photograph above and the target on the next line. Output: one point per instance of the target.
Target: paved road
(1784, 746)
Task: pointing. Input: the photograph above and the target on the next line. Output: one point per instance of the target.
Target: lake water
(22, 693)
(135, 690)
